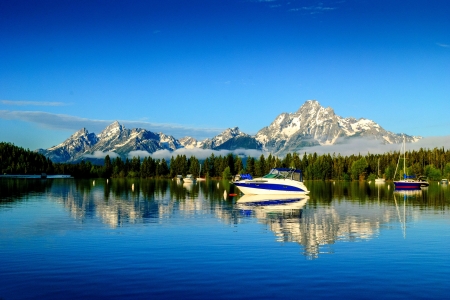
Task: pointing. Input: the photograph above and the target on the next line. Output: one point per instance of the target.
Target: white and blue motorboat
(278, 181)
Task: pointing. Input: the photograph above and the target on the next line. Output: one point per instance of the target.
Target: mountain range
(311, 125)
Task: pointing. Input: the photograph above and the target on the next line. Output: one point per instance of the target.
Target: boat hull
(407, 185)
(271, 188)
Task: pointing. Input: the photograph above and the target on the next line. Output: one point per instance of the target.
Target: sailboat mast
(404, 156)
(378, 168)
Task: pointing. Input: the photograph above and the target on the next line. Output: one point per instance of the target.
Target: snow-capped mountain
(189, 142)
(114, 137)
(231, 139)
(311, 125)
(117, 138)
(314, 125)
(72, 148)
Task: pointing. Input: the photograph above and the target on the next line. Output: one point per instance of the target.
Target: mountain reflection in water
(333, 212)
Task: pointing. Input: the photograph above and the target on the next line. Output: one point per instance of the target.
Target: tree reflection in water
(333, 212)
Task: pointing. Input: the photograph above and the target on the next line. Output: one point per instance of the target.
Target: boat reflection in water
(408, 193)
(271, 203)
(188, 185)
(404, 195)
(283, 216)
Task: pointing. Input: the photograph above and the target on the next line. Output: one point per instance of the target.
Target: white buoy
(224, 195)
(107, 181)
(93, 183)
(217, 185)
(132, 187)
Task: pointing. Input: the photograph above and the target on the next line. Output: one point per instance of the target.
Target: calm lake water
(159, 239)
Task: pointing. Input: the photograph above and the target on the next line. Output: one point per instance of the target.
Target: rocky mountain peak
(232, 132)
(230, 139)
(82, 132)
(314, 125)
(188, 142)
(309, 105)
(113, 129)
(310, 125)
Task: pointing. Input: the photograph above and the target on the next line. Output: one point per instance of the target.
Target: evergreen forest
(432, 163)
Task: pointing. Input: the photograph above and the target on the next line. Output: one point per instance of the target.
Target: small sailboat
(379, 179)
(408, 182)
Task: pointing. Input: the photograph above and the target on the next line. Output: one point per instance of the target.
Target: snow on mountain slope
(189, 142)
(314, 125)
(114, 137)
(311, 125)
(75, 146)
(231, 139)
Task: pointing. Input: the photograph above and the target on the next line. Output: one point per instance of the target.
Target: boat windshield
(285, 173)
(274, 173)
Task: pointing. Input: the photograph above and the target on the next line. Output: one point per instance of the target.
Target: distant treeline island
(435, 164)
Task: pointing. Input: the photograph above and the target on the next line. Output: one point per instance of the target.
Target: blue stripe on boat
(269, 186)
(407, 185)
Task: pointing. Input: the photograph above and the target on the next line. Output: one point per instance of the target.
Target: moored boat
(189, 178)
(408, 182)
(278, 181)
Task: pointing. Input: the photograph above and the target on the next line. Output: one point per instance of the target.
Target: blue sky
(198, 67)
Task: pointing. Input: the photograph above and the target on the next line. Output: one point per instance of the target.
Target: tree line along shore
(432, 163)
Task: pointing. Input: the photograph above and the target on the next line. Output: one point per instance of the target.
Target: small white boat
(189, 178)
(278, 181)
(444, 181)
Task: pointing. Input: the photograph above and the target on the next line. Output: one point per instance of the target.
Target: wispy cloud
(363, 146)
(32, 103)
(139, 153)
(314, 9)
(197, 152)
(73, 123)
(101, 154)
(443, 45)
